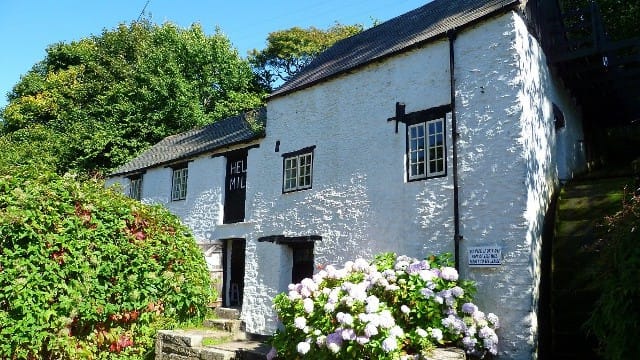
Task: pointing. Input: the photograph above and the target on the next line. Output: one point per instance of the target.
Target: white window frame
(297, 171)
(426, 156)
(179, 183)
(135, 187)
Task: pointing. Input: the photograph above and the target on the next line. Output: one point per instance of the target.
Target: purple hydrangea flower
(272, 353)
(348, 334)
(334, 342)
(469, 308)
(449, 273)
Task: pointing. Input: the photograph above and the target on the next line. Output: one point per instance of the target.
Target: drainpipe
(454, 135)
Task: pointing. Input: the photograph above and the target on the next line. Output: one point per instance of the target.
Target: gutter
(454, 135)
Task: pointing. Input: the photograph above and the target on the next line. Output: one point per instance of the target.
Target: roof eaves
(185, 157)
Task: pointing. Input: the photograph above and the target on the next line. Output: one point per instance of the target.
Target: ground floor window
(179, 183)
(135, 187)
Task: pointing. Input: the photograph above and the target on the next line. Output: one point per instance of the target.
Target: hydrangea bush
(394, 307)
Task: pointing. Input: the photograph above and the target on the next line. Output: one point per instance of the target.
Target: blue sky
(27, 27)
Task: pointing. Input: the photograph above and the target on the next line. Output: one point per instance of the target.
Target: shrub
(86, 273)
(614, 320)
(395, 307)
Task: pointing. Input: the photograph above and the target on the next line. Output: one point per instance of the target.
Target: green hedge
(88, 273)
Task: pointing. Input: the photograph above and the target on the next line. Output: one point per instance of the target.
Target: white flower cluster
(351, 297)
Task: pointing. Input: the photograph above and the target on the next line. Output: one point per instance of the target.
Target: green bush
(614, 320)
(86, 273)
(395, 307)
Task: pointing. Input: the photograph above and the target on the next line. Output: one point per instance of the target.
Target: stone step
(234, 327)
(227, 313)
(245, 350)
(188, 343)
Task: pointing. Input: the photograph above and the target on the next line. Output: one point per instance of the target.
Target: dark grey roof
(398, 34)
(226, 132)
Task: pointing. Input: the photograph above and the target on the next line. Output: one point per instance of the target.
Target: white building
(441, 130)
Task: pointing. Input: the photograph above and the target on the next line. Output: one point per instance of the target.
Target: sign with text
(485, 256)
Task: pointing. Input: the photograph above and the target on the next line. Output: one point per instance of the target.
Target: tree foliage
(620, 17)
(290, 50)
(105, 98)
(86, 273)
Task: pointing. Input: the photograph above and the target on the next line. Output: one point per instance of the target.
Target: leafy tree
(106, 98)
(621, 17)
(288, 51)
(87, 273)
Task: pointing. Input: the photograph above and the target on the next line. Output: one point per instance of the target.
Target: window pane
(416, 150)
(135, 188)
(436, 147)
(298, 172)
(179, 186)
(305, 171)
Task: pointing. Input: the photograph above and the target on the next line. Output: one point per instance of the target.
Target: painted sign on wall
(485, 256)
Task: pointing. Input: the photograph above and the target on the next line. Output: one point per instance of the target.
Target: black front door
(236, 186)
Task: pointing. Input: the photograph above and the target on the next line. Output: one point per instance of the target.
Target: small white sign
(485, 256)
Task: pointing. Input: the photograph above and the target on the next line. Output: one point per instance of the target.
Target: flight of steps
(222, 338)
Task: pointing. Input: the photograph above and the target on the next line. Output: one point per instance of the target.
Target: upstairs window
(135, 187)
(298, 170)
(179, 183)
(426, 149)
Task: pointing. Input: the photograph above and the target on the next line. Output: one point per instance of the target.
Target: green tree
(106, 98)
(288, 51)
(620, 17)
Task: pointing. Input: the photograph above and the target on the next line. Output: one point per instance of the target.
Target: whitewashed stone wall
(361, 203)
(509, 167)
(510, 160)
(202, 209)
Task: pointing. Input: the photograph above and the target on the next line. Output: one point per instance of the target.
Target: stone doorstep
(227, 313)
(187, 345)
(246, 350)
(235, 327)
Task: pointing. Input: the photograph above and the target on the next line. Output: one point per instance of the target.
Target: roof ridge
(398, 34)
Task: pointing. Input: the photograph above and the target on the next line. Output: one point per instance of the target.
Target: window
(298, 170)
(135, 187)
(179, 184)
(426, 149)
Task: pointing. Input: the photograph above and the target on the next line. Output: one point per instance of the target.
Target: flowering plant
(394, 307)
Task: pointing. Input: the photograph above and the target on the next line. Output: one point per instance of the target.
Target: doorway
(302, 261)
(234, 261)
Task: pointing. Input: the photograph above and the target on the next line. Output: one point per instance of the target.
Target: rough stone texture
(235, 327)
(166, 349)
(447, 354)
(510, 161)
(187, 345)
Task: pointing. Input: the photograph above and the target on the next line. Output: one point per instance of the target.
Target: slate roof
(223, 133)
(398, 34)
